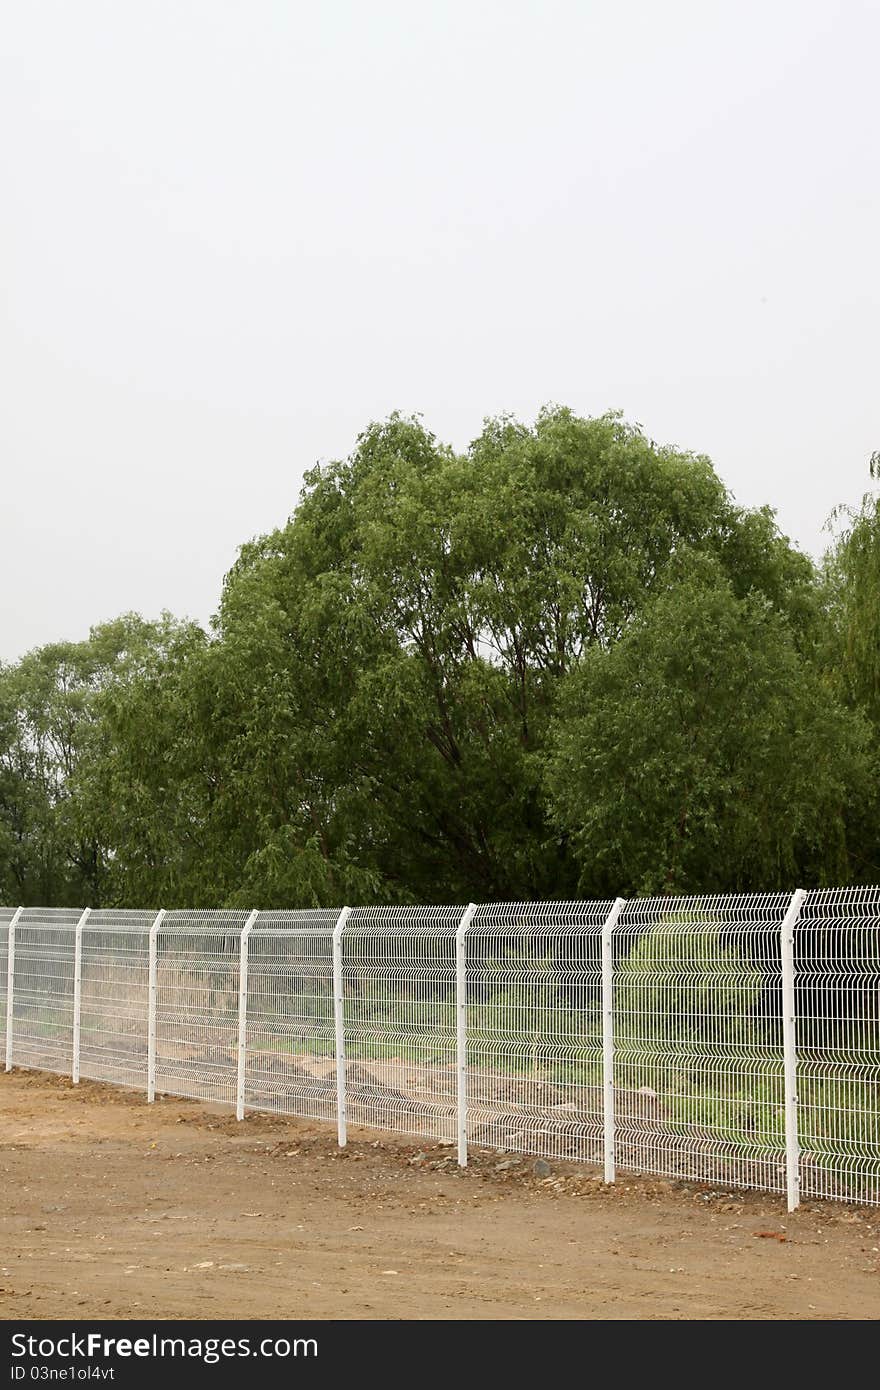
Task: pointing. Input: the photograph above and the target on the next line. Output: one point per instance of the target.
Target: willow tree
(704, 752)
(370, 718)
(388, 665)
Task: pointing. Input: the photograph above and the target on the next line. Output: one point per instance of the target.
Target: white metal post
(77, 992)
(10, 982)
(461, 1030)
(152, 992)
(789, 1047)
(242, 1015)
(339, 1022)
(608, 1038)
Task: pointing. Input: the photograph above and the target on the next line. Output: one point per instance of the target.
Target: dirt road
(114, 1209)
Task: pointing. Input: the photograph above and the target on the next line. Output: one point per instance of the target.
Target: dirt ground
(115, 1209)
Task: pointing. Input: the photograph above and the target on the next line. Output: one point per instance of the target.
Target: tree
(849, 652)
(371, 715)
(51, 850)
(400, 645)
(852, 575)
(703, 752)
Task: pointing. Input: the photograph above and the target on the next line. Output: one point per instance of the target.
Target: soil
(116, 1209)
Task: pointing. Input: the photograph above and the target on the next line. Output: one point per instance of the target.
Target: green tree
(849, 651)
(852, 574)
(51, 850)
(370, 717)
(704, 752)
(399, 647)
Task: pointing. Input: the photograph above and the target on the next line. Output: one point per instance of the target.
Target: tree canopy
(561, 661)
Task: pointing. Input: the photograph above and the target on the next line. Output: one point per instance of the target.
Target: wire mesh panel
(698, 1055)
(400, 1025)
(42, 1005)
(114, 996)
(197, 1004)
(291, 1047)
(6, 916)
(698, 1047)
(534, 1028)
(837, 1005)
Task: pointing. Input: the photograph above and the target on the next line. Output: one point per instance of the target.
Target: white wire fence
(733, 1040)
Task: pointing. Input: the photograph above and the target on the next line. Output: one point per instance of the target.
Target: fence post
(461, 1030)
(10, 981)
(77, 992)
(152, 992)
(789, 1048)
(339, 1023)
(608, 1039)
(242, 1014)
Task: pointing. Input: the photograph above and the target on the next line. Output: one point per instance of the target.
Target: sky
(233, 234)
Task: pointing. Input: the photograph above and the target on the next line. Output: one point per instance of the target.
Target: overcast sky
(234, 233)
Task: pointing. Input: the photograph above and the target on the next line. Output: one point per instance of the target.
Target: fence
(729, 1039)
